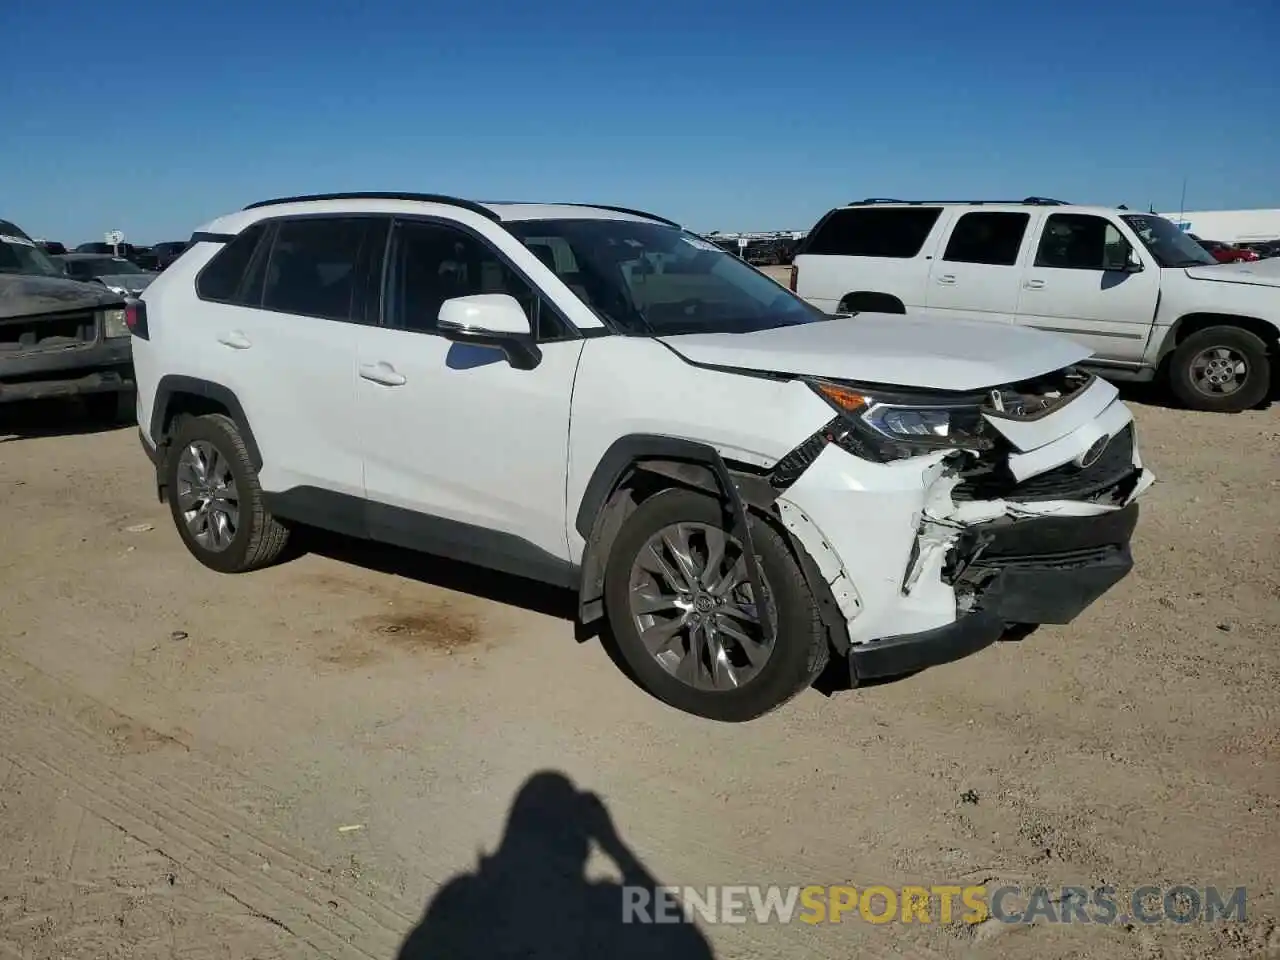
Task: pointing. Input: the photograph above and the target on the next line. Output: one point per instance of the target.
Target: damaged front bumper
(932, 558)
(1033, 570)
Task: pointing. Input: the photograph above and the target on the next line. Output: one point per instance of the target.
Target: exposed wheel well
(645, 477)
(187, 404)
(1195, 322)
(867, 301)
(177, 396)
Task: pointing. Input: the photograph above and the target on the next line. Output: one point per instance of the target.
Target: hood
(23, 295)
(1262, 273)
(133, 282)
(922, 350)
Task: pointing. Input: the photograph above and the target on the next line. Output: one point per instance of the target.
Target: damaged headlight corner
(113, 323)
(882, 425)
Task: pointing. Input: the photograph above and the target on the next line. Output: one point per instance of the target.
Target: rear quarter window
(896, 232)
(222, 278)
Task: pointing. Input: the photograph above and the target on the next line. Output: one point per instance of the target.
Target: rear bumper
(1012, 571)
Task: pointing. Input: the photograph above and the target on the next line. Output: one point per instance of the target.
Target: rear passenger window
(991, 238)
(897, 232)
(220, 279)
(313, 269)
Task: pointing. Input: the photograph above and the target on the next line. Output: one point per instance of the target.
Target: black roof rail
(634, 213)
(1025, 201)
(374, 195)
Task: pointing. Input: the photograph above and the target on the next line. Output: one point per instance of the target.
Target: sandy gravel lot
(294, 763)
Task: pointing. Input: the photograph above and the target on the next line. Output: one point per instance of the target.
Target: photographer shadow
(531, 898)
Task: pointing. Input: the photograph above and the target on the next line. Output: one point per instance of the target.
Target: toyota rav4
(745, 490)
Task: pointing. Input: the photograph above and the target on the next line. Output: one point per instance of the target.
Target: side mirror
(1133, 264)
(491, 320)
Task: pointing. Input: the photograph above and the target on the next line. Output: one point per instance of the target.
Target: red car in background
(1225, 252)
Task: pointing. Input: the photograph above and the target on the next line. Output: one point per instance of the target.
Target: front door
(1079, 284)
(464, 454)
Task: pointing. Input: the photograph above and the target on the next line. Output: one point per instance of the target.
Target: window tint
(992, 238)
(649, 279)
(432, 263)
(1079, 241)
(221, 276)
(313, 267)
(873, 232)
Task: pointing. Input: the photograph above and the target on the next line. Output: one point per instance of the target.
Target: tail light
(135, 318)
(795, 275)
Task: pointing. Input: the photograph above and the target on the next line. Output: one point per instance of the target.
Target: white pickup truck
(1130, 286)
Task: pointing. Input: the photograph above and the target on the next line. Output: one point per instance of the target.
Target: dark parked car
(142, 256)
(168, 251)
(115, 273)
(51, 247)
(58, 336)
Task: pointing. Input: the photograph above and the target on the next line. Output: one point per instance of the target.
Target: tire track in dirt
(247, 863)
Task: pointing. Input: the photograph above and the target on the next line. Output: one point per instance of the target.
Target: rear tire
(766, 677)
(1221, 369)
(216, 500)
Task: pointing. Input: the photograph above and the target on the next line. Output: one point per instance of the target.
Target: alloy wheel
(693, 606)
(207, 496)
(1219, 371)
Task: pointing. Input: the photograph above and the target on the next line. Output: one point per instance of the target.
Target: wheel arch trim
(625, 454)
(176, 385)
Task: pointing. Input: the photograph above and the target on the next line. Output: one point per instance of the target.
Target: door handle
(1034, 284)
(235, 340)
(383, 373)
(948, 279)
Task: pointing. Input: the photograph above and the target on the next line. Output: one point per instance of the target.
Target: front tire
(1221, 369)
(680, 607)
(216, 500)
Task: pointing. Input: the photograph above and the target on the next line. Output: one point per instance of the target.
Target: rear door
(978, 273)
(1079, 284)
(289, 348)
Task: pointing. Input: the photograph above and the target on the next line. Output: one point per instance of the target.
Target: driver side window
(1077, 241)
(432, 262)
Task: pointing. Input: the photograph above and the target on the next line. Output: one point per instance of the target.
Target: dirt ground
(294, 763)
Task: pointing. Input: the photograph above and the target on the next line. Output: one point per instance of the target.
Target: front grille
(1067, 482)
(49, 331)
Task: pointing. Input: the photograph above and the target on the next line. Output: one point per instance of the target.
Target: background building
(1229, 226)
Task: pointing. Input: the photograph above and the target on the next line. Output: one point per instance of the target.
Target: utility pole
(1182, 204)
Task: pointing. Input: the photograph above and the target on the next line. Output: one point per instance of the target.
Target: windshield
(1169, 245)
(18, 255)
(647, 279)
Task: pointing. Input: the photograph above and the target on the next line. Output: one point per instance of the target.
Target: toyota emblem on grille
(1090, 456)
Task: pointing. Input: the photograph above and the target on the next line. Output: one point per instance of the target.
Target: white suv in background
(743, 487)
(1143, 296)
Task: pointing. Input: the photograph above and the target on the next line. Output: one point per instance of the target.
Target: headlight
(113, 324)
(893, 427)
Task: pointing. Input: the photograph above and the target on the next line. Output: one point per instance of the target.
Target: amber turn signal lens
(847, 400)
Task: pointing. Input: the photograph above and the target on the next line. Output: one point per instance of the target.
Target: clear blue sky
(152, 116)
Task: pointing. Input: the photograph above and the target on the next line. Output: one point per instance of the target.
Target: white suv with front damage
(746, 490)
